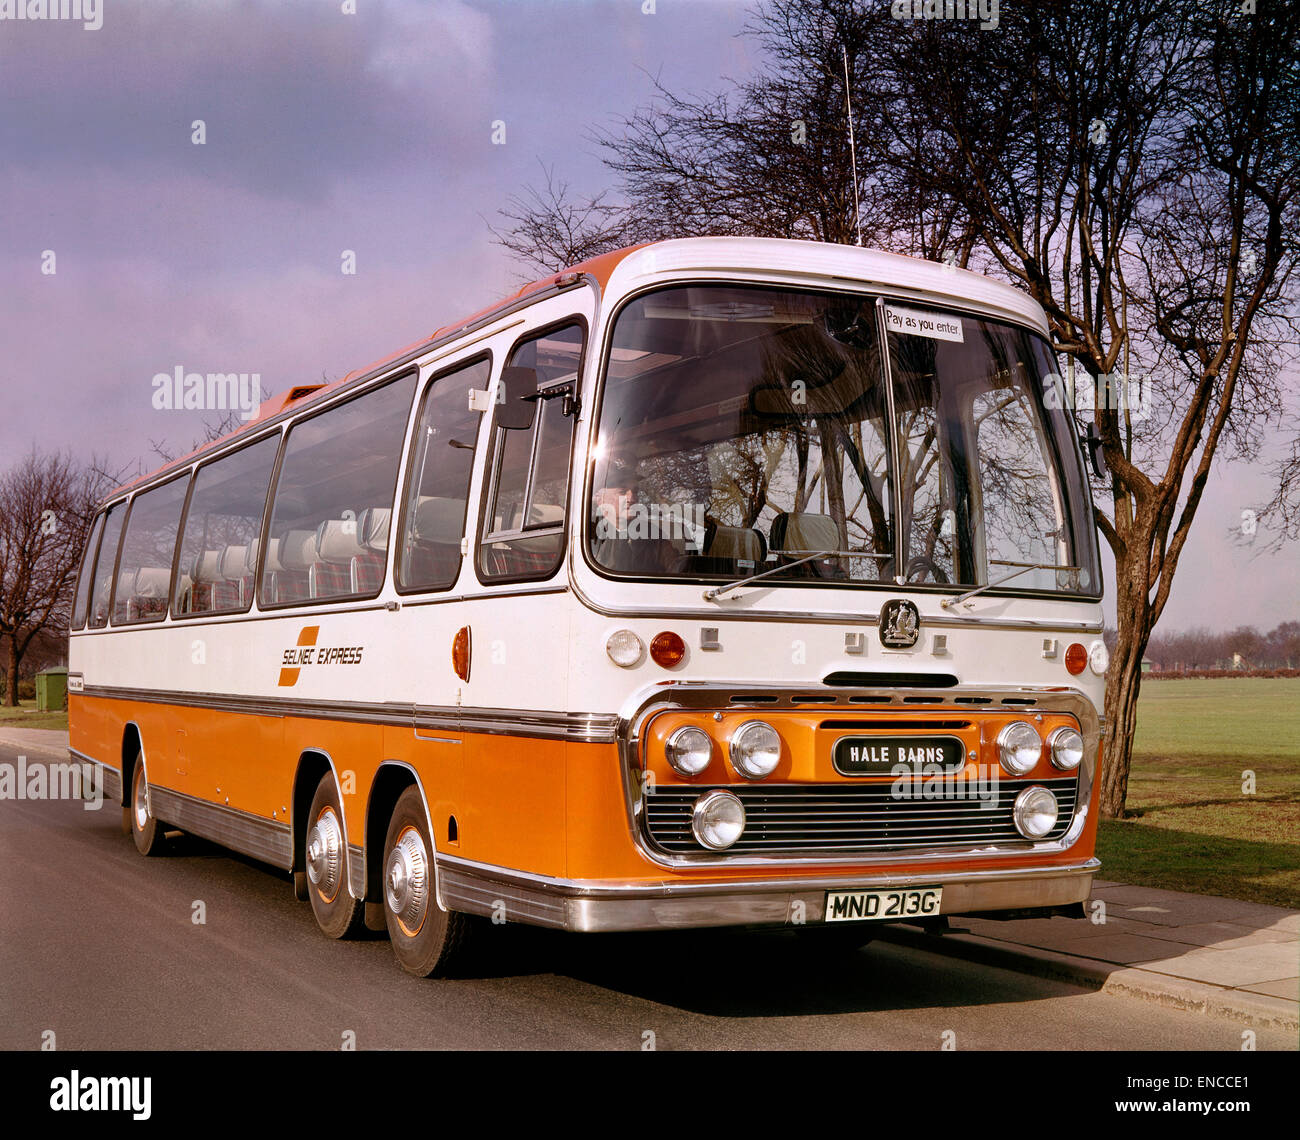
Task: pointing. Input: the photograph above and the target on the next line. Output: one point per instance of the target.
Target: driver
(617, 543)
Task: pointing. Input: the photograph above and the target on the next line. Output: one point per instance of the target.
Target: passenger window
(524, 524)
(218, 561)
(438, 487)
(145, 574)
(328, 538)
(86, 576)
(104, 566)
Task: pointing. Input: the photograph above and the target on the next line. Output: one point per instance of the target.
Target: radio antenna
(853, 155)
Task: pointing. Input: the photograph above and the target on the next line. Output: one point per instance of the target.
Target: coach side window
(330, 525)
(104, 566)
(81, 599)
(218, 561)
(442, 460)
(145, 573)
(523, 525)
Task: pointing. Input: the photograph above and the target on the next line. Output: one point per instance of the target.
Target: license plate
(861, 906)
(877, 755)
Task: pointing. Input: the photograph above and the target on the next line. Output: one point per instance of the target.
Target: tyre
(427, 940)
(146, 830)
(337, 913)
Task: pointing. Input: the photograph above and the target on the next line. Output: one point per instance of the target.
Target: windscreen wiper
(718, 591)
(1025, 567)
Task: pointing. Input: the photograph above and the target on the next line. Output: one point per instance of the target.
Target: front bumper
(578, 905)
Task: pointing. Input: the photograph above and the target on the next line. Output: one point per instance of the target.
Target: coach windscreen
(837, 439)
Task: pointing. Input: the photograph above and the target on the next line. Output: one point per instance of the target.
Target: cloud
(292, 94)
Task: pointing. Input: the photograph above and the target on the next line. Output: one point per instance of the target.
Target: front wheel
(427, 940)
(338, 914)
(145, 829)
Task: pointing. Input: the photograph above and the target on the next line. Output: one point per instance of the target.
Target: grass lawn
(26, 716)
(1193, 828)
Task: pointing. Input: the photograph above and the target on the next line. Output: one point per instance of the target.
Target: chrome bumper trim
(597, 905)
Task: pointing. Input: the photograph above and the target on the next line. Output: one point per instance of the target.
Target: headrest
(297, 550)
(207, 566)
(250, 558)
(372, 528)
(152, 582)
(805, 533)
(233, 563)
(737, 542)
(438, 519)
(338, 541)
(544, 514)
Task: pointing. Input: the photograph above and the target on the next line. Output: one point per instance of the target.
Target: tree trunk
(1124, 679)
(11, 685)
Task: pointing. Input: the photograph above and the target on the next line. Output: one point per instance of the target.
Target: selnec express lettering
(316, 655)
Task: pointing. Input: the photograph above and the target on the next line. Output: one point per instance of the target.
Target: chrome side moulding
(268, 840)
(579, 727)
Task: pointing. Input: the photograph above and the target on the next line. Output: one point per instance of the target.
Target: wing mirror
(517, 398)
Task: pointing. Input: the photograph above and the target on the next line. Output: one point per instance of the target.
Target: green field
(1192, 827)
(26, 716)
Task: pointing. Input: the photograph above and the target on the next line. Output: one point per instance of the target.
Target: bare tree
(1134, 166)
(47, 503)
(549, 230)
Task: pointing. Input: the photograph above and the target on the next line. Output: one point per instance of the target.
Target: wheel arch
(392, 778)
(313, 763)
(132, 742)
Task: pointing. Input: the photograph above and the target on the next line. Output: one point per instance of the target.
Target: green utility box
(52, 689)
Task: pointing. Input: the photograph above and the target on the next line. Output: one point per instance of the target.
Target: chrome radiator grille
(853, 817)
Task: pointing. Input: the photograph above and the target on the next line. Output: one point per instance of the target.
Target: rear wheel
(338, 914)
(427, 940)
(145, 829)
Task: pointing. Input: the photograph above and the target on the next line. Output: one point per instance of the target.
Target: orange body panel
(549, 807)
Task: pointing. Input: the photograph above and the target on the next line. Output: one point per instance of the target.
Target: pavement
(1198, 952)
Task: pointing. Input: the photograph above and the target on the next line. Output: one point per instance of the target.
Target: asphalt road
(98, 945)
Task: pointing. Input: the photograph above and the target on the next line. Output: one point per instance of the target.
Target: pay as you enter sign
(917, 322)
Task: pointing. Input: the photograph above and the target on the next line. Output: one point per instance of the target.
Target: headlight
(1035, 812)
(1066, 746)
(755, 749)
(625, 648)
(717, 820)
(1098, 657)
(1019, 747)
(689, 751)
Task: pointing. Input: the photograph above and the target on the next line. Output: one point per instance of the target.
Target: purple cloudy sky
(327, 132)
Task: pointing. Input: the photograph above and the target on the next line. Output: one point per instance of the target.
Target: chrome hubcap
(325, 853)
(141, 804)
(406, 880)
